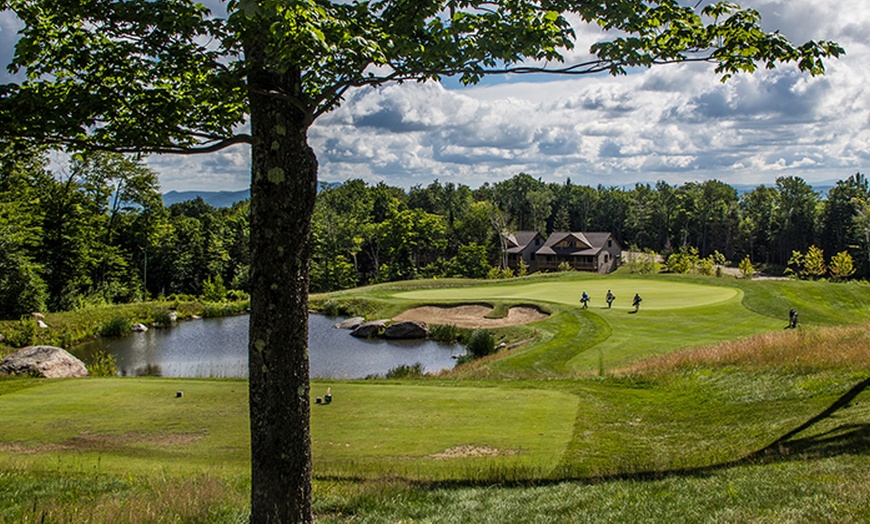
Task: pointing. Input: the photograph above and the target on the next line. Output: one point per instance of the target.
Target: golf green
(656, 294)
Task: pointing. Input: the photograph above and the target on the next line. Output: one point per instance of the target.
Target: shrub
(522, 268)
(213, 290)
(23, 334)
(116, 327)
(331, 308)
(445, 332)
(706, 266)
(103, 365)
(224, 309)
(403, 371)
(814, 262)
(746, 268)
(565, 266)
(842, 266)
(237, 295)
(684, 260)
(165, 317)
(644, 263)
(481, 343)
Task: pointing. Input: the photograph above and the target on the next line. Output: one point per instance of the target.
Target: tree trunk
(283, 189)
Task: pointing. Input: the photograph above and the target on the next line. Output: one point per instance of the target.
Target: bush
(237, 295)
(522, 268)
(445, 332)
(496, 273)
(644, 263)
(224, 309)
(116, 327)
(165, 318)
(404, 371)
(331, 308)
(746, 268)
(213, 290)
(23, 334)
(103, 365)
(481, 343)
(683, 260)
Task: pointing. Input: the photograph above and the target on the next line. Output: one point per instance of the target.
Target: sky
(676, 123)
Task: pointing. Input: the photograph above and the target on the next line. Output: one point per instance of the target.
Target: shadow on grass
(842, 440)
(848, 438)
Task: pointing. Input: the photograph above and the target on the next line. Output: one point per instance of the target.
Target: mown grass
(704, 411)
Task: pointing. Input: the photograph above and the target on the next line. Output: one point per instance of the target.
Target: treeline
(97, 232)
(365, 234)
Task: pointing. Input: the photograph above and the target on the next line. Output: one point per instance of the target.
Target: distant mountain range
(222, 198)
(212, 198)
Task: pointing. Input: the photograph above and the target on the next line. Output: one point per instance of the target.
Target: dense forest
(97, 231)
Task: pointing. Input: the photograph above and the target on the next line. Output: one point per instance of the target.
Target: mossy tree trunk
(283, 189)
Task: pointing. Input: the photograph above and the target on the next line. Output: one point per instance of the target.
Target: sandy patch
(472, 315)
(472, 451)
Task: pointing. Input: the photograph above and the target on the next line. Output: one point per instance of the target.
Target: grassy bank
(68, 328)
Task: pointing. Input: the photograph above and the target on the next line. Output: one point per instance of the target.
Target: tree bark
(283, 189)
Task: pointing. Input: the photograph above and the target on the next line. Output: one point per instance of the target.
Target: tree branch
(168, 149)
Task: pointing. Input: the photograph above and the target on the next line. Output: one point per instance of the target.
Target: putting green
(656, 294)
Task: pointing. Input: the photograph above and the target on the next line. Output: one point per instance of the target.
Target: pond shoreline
(218, 347)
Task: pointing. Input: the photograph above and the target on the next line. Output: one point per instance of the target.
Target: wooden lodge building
(583, 251)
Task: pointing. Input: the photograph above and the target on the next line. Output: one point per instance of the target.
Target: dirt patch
(472, 451)
(91, 442)
(472, 315)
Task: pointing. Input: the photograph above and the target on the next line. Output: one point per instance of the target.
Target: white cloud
(675, 123)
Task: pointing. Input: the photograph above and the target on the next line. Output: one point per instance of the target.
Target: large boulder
(407, 329)
(351, 323)
(371, 329)
(43, 361)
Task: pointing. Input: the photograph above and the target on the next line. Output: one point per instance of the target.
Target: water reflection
(218, 347)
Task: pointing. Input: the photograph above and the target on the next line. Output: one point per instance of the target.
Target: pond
(218, 347)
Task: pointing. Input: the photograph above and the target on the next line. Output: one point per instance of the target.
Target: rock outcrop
(371, 329)
(43, 361)
(407, 329)
(351, 323)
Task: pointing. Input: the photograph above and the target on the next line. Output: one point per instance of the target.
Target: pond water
(218, 347)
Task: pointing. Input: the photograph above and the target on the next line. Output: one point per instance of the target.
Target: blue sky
(675, 123)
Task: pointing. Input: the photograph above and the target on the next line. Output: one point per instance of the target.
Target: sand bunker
(472, 315)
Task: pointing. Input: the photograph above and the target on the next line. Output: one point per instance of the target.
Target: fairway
(656, 294)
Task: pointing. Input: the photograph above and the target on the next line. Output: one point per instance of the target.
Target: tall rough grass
(88, 498)
(790, 351)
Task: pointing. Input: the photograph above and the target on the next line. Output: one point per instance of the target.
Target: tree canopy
(169, 77)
